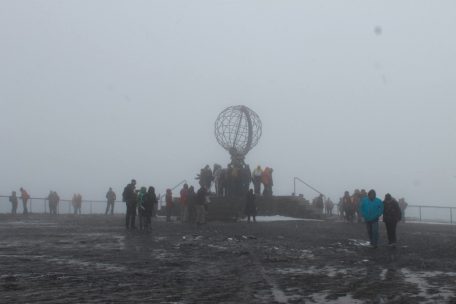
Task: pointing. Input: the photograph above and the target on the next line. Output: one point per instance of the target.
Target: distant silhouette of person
(77, 203)
(217, 172)
(150, 204)
(111, 197)
(329, 205)
(13, 200)
(246, 179)
(191, 195)
(250, 206)
(256, 178)
(348, 207)
(25, 197)
(206, 177)
(403, 205)
(142, 208)
(200, 200)
(53, 200)
(169, 204)
(319, 203)
(129, 197)
(184, 204)
(266, 179)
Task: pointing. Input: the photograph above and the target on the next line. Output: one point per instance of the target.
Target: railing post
(420, 213)
(45, 209)
(451, 215)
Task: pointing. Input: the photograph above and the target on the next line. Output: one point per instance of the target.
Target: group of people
(193, 205)
(14, 200)
(142, 202)
(372, 208)
(235, 180)
(325, 206)
(349, 206)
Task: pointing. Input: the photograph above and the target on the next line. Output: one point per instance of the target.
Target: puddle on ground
(420, 280)
(329, 271)
(322, 298)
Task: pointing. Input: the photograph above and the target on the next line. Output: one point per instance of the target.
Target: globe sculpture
(238, 130)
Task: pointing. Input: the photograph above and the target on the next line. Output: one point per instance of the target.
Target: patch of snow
(278, 218)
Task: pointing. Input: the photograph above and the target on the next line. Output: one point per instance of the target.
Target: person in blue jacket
(371, 208)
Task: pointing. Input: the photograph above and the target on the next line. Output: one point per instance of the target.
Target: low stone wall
(232, 208)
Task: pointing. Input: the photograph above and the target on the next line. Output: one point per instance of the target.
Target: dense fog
(350, 94)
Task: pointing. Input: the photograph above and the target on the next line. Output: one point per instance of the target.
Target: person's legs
(24, 203)
(374, 233)
(369, 231)
(393, 232)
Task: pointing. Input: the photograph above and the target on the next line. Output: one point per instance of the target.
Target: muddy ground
(69, 259)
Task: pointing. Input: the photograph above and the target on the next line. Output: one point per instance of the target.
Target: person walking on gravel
(391, 215)
(371, 208)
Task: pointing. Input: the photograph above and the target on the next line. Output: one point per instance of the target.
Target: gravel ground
(68, 259)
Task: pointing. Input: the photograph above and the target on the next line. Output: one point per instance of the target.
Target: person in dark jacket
(200, 201)
(191, 196)
(391, 215)
(111, 197)
(129, 197)
(169, 204)
(151, 204)
(13, 200)
(250, 207)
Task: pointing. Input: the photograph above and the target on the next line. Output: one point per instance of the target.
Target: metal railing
(161, 196)
(306, 184)
(65, 206)
(427, 213)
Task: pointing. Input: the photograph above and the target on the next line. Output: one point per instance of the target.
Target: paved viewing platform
(92, 258)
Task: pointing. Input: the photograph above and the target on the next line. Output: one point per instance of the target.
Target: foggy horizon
(350, 96)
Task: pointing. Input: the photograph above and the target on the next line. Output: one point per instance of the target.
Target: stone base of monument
(232, 208)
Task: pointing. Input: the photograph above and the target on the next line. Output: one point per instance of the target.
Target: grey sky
(94, 93)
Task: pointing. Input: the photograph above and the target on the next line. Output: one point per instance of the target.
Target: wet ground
(70, 259)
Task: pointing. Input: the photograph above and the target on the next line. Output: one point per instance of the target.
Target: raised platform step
(232, 208)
